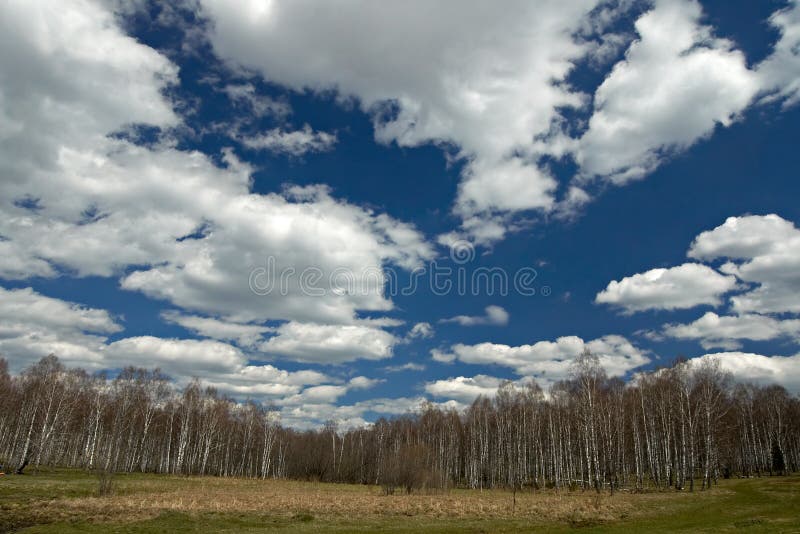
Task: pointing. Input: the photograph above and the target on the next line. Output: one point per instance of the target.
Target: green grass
(753, 505)
(65, 501)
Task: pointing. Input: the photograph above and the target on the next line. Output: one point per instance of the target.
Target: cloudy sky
(345, 207)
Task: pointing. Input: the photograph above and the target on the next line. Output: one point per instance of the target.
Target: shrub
(105, 482)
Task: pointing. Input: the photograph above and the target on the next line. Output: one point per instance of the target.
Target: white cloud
(675, 85)
(16, 263)
(314, 415)
(193, 233)
(192, 230)
(495, 315)
(216, 364)
(780, 72)
(363, 382)
(482, 82)
(117, 204)
(410, 366)
(180, 356)
(419, 331)
(74, 77)
(486, 84)
(260, 105)
(318, 343)
(743, 237)
(464, 389)
(766, 370)
(608, 47)
(549, 361)
(28, 306)
(765, 251)
(327, 254)
(33, 325)
(245, 335)
(293, 143)
(442, 356)
(72, 72)
(685, 286)
(726, 331)
(264, 381)
(316, 395)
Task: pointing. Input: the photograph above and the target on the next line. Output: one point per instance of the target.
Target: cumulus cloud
(756, 368)
(685, 286)
(327, 254)
(186, 356)
(28, 306)
(316, 394)
(743, 237)
(442, 356)
(549, 361)
(487, 84)
(761, 250)
(73, 78)
(495, 315)
(462, 84)
(727, 331)
(247, 129)
(421, 330)
(97, 204)
(80, 197)
(765, 251)
(313, 414)
(780, 72)
(310, 342)
(217, 365)
(482, 82)
(675, 85)
(363, 382)
(464, 389)
(245, 335)
(33, 325)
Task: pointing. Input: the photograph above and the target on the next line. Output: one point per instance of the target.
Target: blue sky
(637, 158)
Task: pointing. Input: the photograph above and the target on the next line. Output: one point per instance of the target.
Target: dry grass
(144, 499)
(164, 503)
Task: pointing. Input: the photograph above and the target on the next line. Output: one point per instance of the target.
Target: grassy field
(66, 501)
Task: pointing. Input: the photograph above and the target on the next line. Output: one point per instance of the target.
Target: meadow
(67, 501)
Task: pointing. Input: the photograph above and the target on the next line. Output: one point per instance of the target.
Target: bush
(406, 469)
(105, 482)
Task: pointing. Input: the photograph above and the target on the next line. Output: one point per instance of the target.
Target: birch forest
(681, 427)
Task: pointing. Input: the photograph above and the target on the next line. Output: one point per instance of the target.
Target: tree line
(684, 427)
